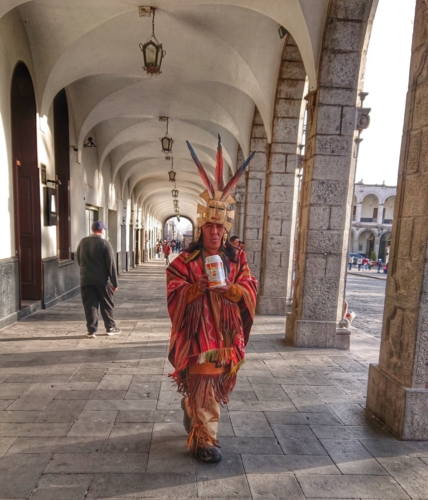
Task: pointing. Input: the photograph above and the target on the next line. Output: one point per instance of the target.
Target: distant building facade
(372, 215)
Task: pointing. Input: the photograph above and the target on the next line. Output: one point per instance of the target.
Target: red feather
(234, 180)
(219, 181)
(201, 170)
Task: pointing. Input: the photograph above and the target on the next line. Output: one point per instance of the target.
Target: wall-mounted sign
(43, 173)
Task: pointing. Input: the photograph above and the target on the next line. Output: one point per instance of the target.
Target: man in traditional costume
(210, 326)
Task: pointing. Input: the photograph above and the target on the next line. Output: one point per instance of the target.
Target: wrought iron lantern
(166, 141)
(174, 193)
(175, 203)
(172, 173)
(153, 52)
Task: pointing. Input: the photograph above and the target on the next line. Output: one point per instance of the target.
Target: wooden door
(26, 185)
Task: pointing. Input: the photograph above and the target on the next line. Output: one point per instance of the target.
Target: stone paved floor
(98, 418)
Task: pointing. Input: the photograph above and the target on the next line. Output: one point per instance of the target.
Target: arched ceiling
(222, 61)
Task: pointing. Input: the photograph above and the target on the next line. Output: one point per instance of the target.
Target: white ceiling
(222, 60)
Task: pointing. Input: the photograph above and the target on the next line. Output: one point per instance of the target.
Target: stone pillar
(327, 189)
(358, 212)
(397, 391)
(239, 194)
(282, 186)
(255, 195)
(380, 214)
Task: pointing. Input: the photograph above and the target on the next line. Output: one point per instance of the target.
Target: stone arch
(370, 207)
(388, 209)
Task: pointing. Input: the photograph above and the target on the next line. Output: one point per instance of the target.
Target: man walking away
(350, 262)
(166, 252)
(98, 279)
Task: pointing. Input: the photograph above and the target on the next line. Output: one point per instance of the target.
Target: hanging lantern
(167, 141)
(172, 173)
(174, 193)
(175, 203)
(153, 52)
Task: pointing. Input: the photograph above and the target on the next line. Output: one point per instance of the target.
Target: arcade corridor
(98, 418)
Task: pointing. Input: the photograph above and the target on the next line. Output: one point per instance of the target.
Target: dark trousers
(94, 296)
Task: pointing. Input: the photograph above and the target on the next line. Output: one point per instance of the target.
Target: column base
(403, 410)
(320, 334)
(275, 306)
(145, 255)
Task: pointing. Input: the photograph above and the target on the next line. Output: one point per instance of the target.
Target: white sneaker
(90, 335)
(113, 331)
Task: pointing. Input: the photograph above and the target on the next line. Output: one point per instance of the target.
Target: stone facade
(397, 392)
(372, 216)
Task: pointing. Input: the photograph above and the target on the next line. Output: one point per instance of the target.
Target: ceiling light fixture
(153, 52)
(172, 173)
(90, 143)
(166, 140)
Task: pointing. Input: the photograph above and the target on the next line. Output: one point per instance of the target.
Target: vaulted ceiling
(222, 60)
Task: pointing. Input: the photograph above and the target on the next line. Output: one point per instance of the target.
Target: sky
(386, 80)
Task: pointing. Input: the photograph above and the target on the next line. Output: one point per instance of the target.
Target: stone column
(327, 190)
(397, 390)
(282, 186)
(239, 194)
(255, 195)
(380, 214)
(358, 212)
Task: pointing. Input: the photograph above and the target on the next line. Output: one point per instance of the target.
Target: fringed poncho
(209, 330)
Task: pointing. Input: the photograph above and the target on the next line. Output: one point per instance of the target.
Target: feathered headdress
(217, 198)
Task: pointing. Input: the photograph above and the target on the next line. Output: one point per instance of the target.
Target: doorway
(28, 238)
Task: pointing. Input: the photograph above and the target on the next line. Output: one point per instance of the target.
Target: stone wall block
(329, 119)
(344, 35)
(290, 89)
(254, 222)
(340, 97)
(291, 53)
(329, 192)
(317, 265)
(292, 165)
(280, 195)
(261, 175)
(286, 228)
(284, 129)
(258, 120)
(338, 218)
(277, 210)
(319, 217)
(258, 131)
(320, 299)
(271, 305)
(278, 179)
(293, 70)
(333, 145)
(288, 108)
(420, 112)
(358, 10)
(284, 147)
(251, 234)
(258, 145)
(256, 199)
(329, 167)
(275, 284)
(254, 186)
(415, 201)
(325, 242)
(258, 163)
(338, 69)
(274, 226)
(253, 245)
(348, 120)
(277, 162)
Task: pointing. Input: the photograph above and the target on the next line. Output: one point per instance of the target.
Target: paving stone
(18, 416)
(33, 429)
(251, 424)
(20, 473)
(289, 418)
(34, 400)
(62, 487)
(223, 479)
(86, 463)
(349, 432)
(93, 423)
(58, 445)
(62, 411)
(351, 414)
(269, 486)
(122, 405)
(302, 464)
(5, 445)
(88, 375)
(390, 447)
(170, 453)
(352, 458)
(150, 485)
(297, 440)
(350, 487)
(114, 382)
(410, 473)
(12, 391)
(95, 395)
(250, 445)
(269, 392)
(261, 406)
(129, 438)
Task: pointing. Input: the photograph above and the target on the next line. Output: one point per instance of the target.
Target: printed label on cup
(215, 271)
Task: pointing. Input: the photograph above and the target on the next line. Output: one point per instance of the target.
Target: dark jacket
(95, 257)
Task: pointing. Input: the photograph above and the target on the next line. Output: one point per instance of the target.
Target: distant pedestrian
(158, 249)
(365, 264)
(370, 264)
(359, 263)
(166, 252)
(350, 263)
(98, 279)
(379, 265)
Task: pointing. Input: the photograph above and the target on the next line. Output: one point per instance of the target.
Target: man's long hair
(228, 249)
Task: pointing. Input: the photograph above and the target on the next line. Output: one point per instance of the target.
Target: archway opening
(366, 243)
(26, 185)
(179, 230)
(385, 243)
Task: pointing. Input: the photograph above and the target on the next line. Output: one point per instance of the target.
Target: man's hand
(203, 282)
(222, 289)
(115, 288)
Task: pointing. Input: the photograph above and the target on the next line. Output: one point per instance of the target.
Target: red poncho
(208, 327)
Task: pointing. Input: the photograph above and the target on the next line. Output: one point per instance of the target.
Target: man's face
(212, 236)
(235, 243)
